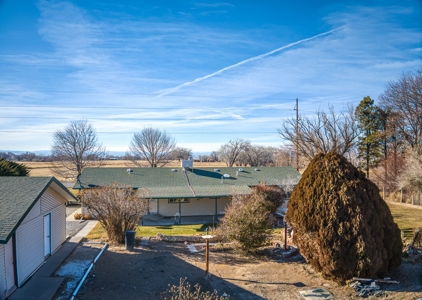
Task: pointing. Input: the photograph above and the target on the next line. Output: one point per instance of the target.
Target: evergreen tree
(370, 141)
(10, 168)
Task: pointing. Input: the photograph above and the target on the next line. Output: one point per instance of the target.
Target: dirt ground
(146, 273)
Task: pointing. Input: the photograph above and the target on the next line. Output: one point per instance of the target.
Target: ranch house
(188, 191)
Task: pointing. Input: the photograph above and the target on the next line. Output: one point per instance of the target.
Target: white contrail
(176, 88)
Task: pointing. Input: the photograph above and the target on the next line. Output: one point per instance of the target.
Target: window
(181, 200)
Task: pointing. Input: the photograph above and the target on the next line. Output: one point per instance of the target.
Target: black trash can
(129, 240)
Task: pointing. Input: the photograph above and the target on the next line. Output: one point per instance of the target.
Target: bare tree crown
(152, 145)
(230, 151)
(322, 133)
(76, 147)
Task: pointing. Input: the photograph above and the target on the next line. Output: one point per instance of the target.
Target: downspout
(180, 211)
(216, 199)
(75, 292)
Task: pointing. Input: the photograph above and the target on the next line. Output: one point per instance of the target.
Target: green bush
(10, 168)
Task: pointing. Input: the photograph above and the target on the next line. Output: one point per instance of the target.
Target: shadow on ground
(147, 273)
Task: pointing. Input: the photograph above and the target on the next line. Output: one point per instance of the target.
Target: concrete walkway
(41, 285)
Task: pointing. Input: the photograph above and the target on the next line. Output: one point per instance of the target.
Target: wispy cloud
(258, 57)
(125, 62)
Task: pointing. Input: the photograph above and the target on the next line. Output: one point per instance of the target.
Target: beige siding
(222, 204)
(35, 212)
(153, 206)
(52, 202)
(29, 247)
(49, 200)
(196, 207)
(58, 227)
(2, 274)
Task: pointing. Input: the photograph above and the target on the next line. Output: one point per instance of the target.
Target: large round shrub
(342, 225)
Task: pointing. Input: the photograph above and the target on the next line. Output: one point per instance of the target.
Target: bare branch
(322, 133)
(75, 148)
(118, 208)
(153, 145)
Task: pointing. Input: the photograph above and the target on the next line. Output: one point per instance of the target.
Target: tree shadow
(211, 174)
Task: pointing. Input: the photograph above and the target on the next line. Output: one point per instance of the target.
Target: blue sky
(205, 72)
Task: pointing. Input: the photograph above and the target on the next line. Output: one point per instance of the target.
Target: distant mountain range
(112, 153)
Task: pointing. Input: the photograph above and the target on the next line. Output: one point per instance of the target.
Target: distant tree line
(27, 156)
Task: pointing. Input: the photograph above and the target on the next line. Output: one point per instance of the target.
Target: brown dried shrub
(342, 225)
(247, 220)
(117, 207)
(77, 216)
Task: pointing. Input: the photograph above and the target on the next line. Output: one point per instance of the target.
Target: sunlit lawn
(406, 217)
(98, 231)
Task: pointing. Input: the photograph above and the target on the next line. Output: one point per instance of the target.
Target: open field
(45, 168)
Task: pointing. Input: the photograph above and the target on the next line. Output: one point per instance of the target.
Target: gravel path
(72, 227)
(71, 208)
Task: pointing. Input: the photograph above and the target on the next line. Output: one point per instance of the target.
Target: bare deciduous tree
(322, 133)
(118, 208)
(213, 157)
(230, 151)
(404, 98)
(153, 145)
(256, 155)
(411, 175)
(180, 153)
(75, 148)
(285, 156)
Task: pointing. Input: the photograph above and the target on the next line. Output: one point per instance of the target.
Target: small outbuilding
(32, 226)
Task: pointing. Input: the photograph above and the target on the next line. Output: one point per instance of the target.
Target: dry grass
(44, 168)
(96, 233)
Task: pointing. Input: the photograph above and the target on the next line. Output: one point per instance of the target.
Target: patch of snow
(75, 268)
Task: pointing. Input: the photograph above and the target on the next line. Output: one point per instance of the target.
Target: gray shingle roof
(204, 182)
(18, 194)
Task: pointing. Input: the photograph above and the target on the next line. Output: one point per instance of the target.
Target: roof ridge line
(187, 179)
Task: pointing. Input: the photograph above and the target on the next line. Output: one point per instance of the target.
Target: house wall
(153, 206)
(2, 273)
(52, 202)
(196, 207)
(30, 234)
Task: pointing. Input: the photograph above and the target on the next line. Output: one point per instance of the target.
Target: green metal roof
(18, 194)
(194, 183)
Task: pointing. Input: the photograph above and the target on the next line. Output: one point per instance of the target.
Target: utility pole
(297, 134)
